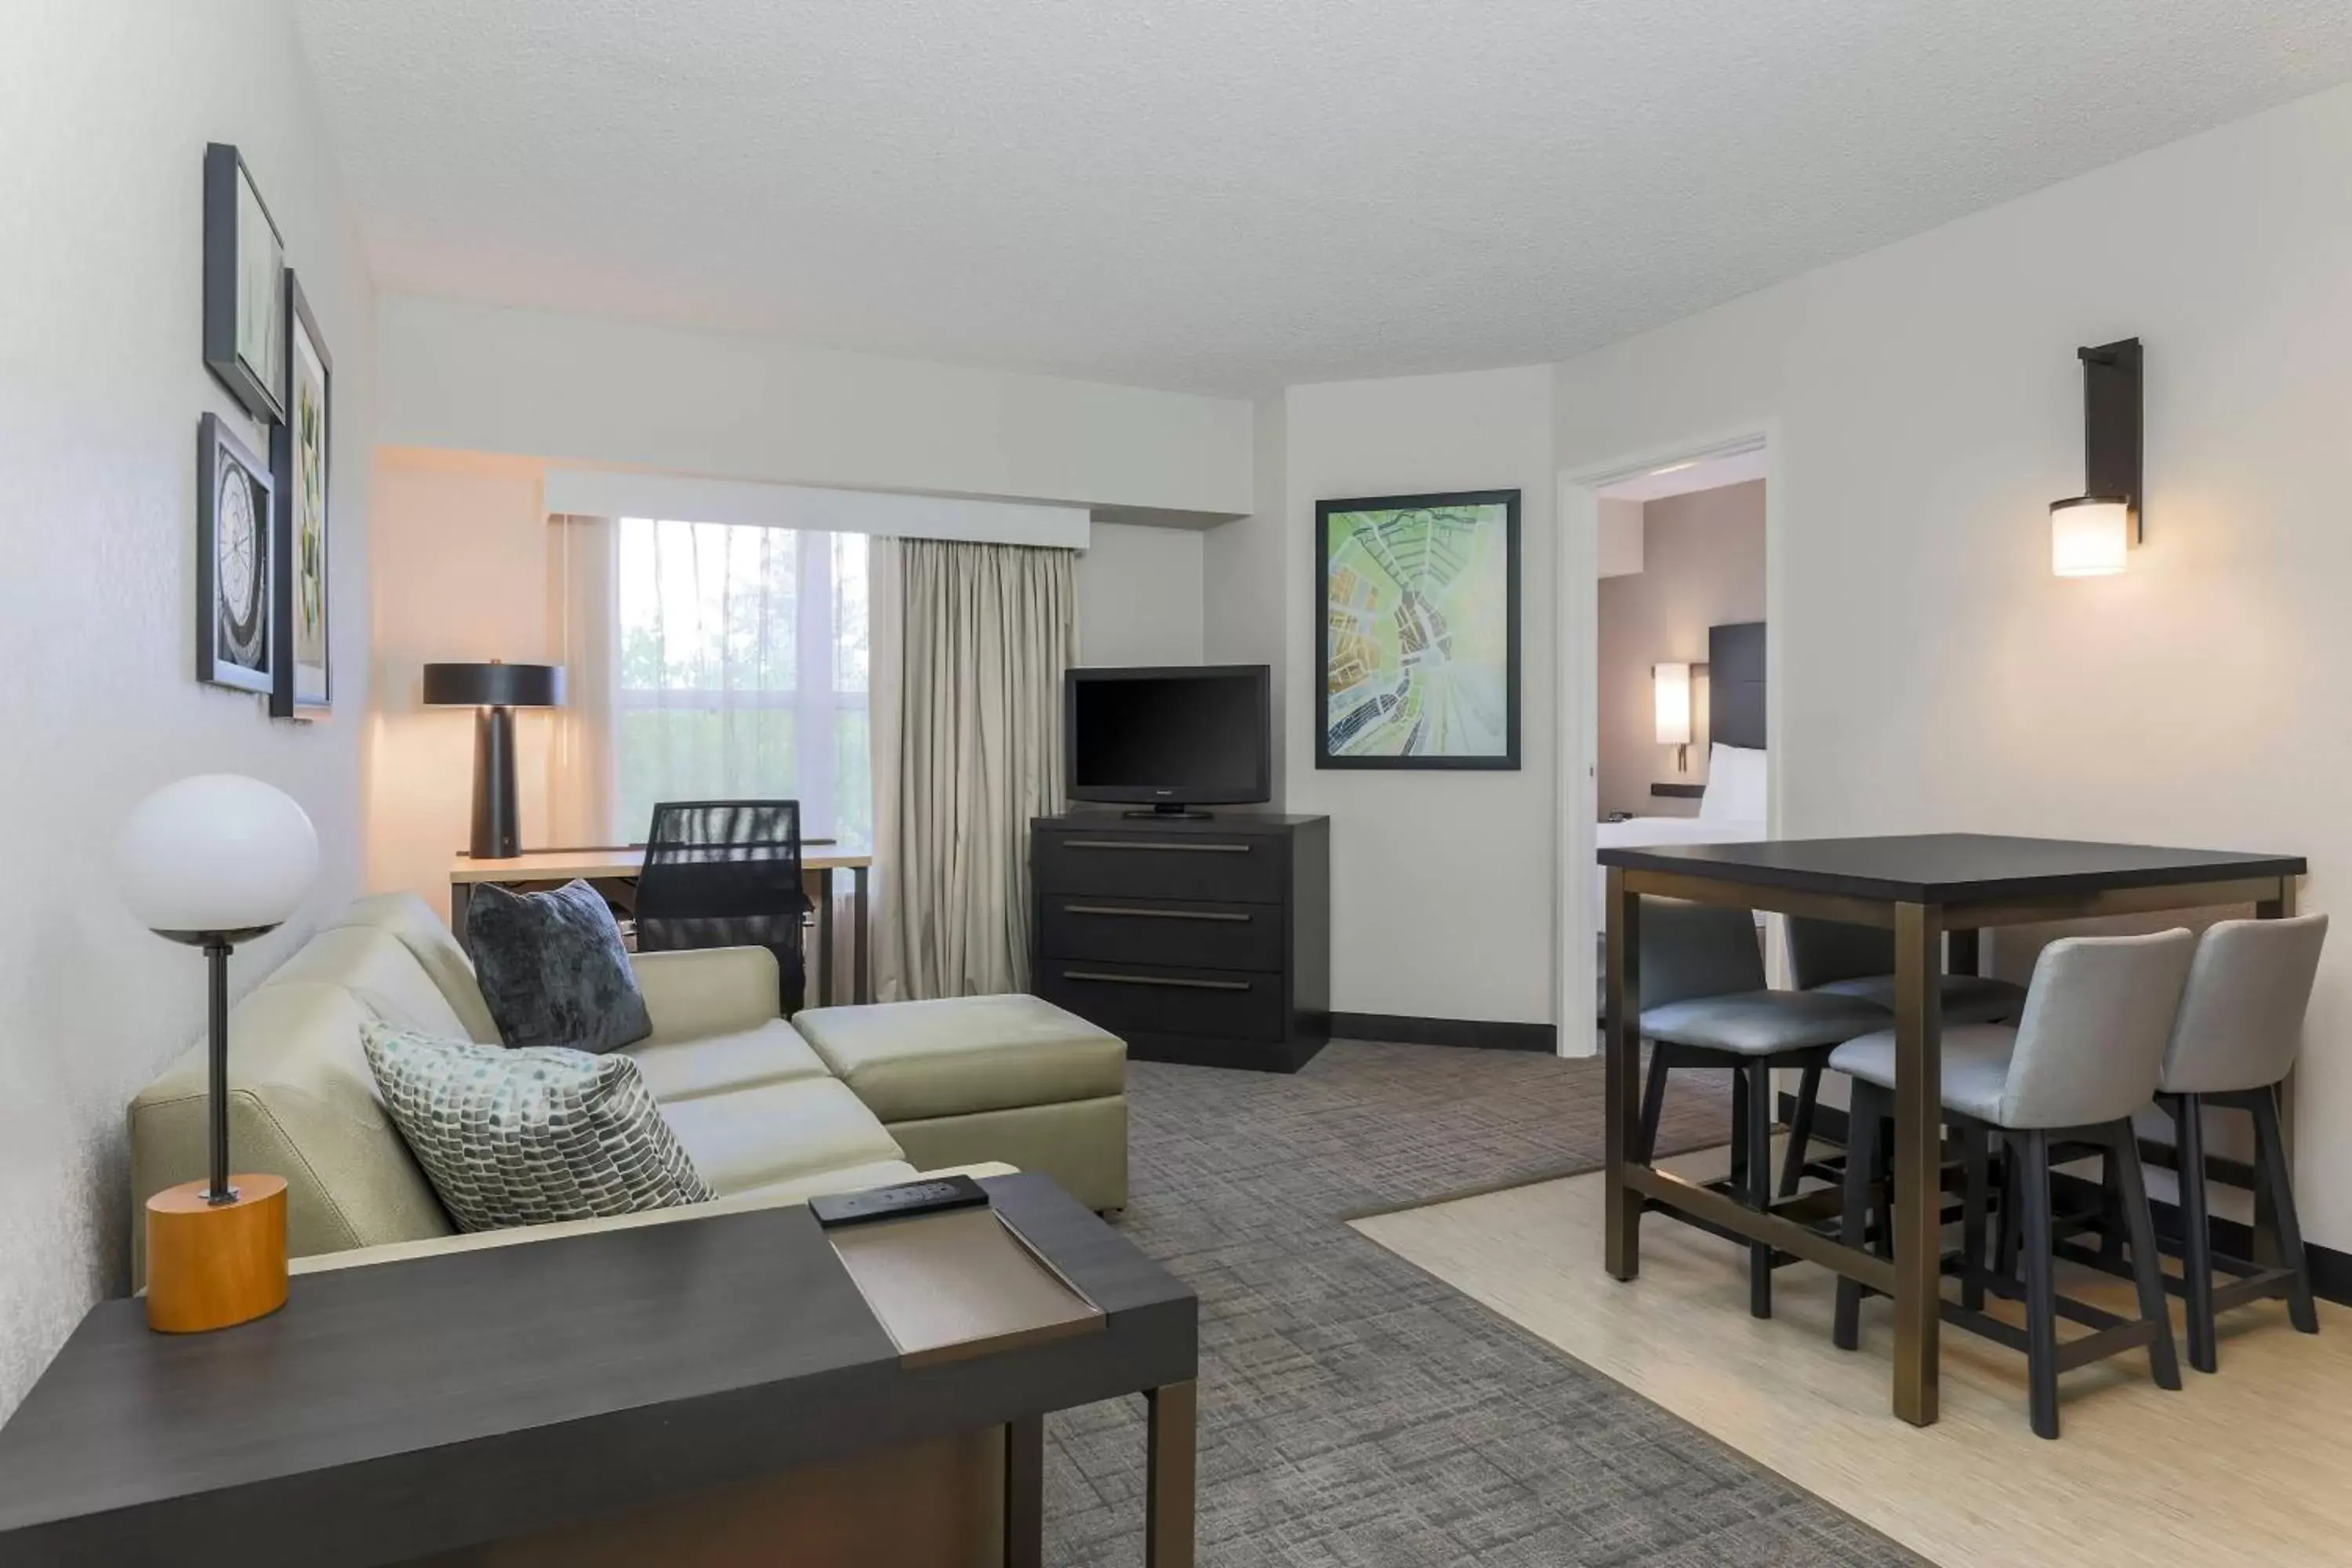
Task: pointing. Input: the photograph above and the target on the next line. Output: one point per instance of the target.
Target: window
(741, 672)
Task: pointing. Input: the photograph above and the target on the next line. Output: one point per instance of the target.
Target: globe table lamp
(494, 691)
(213, 861)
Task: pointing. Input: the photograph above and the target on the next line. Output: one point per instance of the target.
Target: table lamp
(494, 691)
(212, 861)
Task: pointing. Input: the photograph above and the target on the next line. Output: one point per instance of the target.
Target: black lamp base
(497, 826)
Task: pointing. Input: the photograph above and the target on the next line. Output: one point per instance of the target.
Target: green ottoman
(970, 1079)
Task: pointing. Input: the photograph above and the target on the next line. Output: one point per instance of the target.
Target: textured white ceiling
(1231, 195)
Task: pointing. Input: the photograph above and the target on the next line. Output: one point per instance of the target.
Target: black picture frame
(236, 643)
(237, 303)
(1504, 761)
(301, 687)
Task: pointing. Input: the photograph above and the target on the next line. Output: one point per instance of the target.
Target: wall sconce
(2091, 533)
(1670, 685)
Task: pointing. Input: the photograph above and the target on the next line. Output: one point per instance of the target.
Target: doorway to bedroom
(1673, 684)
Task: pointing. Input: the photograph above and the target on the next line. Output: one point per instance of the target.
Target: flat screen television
(1169, 738)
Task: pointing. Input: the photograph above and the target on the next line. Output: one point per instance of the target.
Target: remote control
(897, 1203)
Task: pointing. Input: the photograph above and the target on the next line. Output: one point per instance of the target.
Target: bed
(1732, 811)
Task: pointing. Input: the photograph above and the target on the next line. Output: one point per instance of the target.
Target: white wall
(1245, 586)
(527, 382)
(105, 108)
(1933, 674)
(1440, 882)
(460, 557)
(1139, 596)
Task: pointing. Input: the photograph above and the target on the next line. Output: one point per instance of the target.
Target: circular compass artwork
(238, 543)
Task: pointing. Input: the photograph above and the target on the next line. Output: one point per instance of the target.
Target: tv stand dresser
(1196, 941)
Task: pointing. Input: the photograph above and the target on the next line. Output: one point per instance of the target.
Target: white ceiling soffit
(1233, 195)
(1682, 479)
(611, 492)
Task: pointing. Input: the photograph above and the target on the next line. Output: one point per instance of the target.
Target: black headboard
(1735, 684)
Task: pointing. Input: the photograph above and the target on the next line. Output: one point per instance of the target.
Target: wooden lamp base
(213, 1266)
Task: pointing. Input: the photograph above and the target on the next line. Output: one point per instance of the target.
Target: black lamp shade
(494, 685)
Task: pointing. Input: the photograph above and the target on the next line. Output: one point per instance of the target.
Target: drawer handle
(1155, 914)
(1147, 843)
(1156, 980)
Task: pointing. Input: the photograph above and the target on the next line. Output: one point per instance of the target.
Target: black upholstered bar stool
(2232, 1046)
(2083, 1057)
(1705, 1005)
(1859, 961)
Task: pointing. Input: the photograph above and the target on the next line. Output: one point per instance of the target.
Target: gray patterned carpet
(1356, 1412)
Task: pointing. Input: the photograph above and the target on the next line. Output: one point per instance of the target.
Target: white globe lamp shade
(2089, 537)
(218, 852)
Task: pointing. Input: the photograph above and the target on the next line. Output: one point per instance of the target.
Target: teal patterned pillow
(525, 1137)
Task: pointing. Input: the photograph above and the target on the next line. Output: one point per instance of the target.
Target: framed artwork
(235, 640)
(297, 463)
(1417, 644)
(245, 283)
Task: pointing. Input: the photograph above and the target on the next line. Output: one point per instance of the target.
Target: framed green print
(1417, 641)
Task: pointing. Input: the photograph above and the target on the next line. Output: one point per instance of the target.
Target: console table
(415, 1411)
(1195, 940)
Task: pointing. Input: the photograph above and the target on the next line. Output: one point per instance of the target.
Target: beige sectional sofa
(770, 1110)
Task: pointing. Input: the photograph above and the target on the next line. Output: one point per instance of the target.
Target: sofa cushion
(302, 1104)
(775, 1132)
(413, 923)
(909, 1061)
(553, 969)
(743, 1059)
(530, 1136)
(380, 971)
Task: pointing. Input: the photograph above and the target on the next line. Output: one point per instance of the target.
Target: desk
(612, 871)
(419, 1410)
(1919, 888)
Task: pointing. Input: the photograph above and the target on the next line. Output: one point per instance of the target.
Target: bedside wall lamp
(1670, 686)
(2091, 534)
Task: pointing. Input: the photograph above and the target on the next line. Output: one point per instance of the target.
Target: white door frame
(1579, 680)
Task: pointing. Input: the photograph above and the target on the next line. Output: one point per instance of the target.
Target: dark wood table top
(399, 1409)
(1950, 867)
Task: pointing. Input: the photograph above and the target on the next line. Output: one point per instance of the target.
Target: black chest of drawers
(1203, 941)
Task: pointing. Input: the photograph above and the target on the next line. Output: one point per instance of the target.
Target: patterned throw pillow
(524, 1137)
(553, 970)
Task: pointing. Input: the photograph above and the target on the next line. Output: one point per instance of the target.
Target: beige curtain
(969, 645)
(580, 617)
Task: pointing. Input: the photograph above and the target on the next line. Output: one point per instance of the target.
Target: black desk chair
(727, 873)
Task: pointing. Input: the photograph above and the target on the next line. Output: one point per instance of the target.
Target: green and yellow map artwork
(1418, 605)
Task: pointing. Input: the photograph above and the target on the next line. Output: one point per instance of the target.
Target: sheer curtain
(740, 671)
(579, 609)
(969, 644)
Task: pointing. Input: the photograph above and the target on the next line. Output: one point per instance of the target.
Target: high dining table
(1921, 887)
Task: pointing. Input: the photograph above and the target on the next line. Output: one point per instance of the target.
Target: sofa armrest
(708, 990)
(518, 1235)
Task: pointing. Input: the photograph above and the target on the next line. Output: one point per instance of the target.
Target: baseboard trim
(1391, 1029)
(2331, 1271)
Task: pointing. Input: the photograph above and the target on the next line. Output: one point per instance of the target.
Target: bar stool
(2085, 1055)
(1859, 961)
(2232, 1046)
(1705, 1005)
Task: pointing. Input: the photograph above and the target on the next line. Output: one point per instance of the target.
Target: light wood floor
(2251, 1466)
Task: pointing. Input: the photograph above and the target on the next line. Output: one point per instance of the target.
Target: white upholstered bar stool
(1705, 1003)
(2083, 1058)
(2232, 1046)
